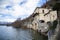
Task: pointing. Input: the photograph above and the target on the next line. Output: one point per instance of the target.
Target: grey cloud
(23, 2)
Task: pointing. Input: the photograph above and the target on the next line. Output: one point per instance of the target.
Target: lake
(11, 33)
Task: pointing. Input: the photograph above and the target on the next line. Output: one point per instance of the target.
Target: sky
(10, 10)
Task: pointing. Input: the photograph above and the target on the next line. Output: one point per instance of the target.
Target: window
(42, 21)
(35, 23)
(35, 14)
(43, 11)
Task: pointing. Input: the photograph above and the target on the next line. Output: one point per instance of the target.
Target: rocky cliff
(38, 20)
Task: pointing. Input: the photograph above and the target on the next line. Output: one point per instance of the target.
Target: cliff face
(38, 20)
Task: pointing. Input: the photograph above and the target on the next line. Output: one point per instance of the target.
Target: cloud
(17, 8)
(23, 2)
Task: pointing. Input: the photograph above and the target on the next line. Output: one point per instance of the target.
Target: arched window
(42, 21)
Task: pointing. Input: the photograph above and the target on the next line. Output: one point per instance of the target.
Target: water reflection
(10, 33)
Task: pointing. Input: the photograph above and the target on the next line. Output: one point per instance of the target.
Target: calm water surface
(10, 33)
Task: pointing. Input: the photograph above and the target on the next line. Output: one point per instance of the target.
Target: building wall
(49, 17)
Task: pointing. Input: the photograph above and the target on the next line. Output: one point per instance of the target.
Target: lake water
(11, 33)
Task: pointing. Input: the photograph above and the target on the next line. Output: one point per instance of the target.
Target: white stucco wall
(49, 17)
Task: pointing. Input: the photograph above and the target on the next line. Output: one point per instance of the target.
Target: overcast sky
(10, 10)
